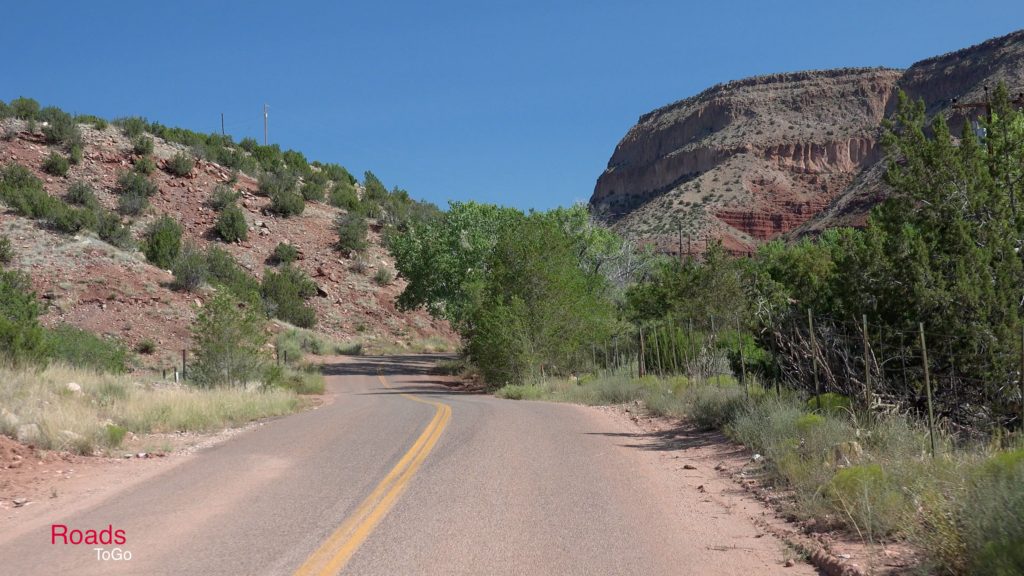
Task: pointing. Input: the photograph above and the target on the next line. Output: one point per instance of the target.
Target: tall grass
(39, 406)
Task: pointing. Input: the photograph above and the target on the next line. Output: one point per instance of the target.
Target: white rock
(74, 387)
(756, 458)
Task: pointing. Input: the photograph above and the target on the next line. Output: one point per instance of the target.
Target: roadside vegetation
(842, 360)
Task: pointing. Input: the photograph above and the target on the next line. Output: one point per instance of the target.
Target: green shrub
(189, 269)
(287, 204)
(286, 292)
(871, 499)
(142, 145)
(230, 225)
(521, 392)
(96, 122)
(81, 194)
(224, 272)
(352, 230)
(132, 204)
(276, 183)
(75, 154)
(304, 380)
(21, 337)
(114, 435)
(343, 195)
(807, 423)
(25, 108)
(229, 338)
(6, 250)
(288, 346)
(162, 242)
(135, 184)
(24, 193)
(312, 192)
(383, 277)
(715, 406)
(132, 126)
(992, 516)
(222, 197)
(60, 128)
(284, 254)
(68, 219)
(56, 164)
(831, 403)
(144, 165)
(134, 191)
(146, 347)
(111, 230)
(181, 164)
(82, 349)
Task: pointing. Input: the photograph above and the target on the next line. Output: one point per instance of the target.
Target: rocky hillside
(107, 290)
(755, 159)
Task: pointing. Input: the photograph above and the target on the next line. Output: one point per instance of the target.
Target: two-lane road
(398, 475)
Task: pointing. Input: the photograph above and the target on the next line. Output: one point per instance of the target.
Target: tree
(540, 307)
(229, 343)
(21, 337)
(442, 258)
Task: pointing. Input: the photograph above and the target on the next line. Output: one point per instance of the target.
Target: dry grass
(39, 407)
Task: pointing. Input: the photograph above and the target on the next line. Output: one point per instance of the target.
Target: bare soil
(726, 473)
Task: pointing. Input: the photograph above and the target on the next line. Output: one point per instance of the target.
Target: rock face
(754, 159)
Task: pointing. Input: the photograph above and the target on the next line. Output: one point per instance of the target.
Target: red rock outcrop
(755, 159)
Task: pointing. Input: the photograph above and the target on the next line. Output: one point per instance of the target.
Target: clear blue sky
(518, 103)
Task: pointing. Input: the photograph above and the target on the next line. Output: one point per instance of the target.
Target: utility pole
(265, 108)
(222, 124)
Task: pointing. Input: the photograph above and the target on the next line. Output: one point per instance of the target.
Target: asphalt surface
(508, 488)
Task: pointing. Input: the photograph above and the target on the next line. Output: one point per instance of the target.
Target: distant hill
(755, 159)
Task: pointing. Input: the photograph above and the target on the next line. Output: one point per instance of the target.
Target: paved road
(398, 475)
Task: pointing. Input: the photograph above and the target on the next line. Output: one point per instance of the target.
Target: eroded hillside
(112, 291)
(751, 160)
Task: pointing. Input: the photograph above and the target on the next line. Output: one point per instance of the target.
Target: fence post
(675, 347)
(640, 368)
(814, 358)
(867, 365)
(743, 364)
(928, 388)
(184, 370)
(657, 351)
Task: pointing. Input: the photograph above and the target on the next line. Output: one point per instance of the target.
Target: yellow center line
(332, 556)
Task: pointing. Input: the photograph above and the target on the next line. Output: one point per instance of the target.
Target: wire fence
(969, 386)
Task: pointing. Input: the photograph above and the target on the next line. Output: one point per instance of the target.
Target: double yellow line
(332, 556)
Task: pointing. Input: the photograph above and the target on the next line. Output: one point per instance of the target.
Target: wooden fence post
(640, 369)
(928, 388)
(814, 358)
(867, 364)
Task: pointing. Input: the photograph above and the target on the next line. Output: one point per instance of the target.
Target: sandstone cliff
(750, 160)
